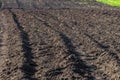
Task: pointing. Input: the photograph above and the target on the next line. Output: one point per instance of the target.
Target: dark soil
(60, 44)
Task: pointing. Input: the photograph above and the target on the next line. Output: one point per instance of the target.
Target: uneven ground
(60, 44)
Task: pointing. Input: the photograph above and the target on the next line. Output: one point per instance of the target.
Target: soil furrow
(29, 65)
(110, 57)
(80, 66)
(105, 48)
(10, 68)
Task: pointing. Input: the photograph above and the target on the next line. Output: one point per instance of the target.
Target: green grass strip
(110, 2)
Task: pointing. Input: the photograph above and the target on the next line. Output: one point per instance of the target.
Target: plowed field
(60, 44)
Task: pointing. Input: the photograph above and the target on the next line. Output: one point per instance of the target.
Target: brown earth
(60, 44)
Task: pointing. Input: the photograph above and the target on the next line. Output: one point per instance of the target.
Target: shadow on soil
(105, 48)
(29, 65)
(80, 66)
